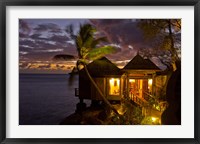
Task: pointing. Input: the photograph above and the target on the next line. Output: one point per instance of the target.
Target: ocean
(46, 99)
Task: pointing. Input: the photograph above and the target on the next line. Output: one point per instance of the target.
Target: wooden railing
(149, 104)
(148, 96)
(140, 101)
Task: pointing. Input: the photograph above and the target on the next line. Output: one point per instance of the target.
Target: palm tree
(90, 48)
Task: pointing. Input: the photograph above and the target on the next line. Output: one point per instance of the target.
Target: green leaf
(100, 52)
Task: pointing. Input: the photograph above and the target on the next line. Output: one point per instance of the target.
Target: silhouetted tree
(165, 37)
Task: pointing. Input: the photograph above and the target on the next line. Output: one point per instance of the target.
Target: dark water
(46, 99)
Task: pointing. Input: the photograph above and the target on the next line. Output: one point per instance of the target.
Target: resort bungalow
(138, 80)
(141, 77)
(141, 81)
(108, 77)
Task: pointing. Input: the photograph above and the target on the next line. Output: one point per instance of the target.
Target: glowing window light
(117, 82)
(114, 88)
(131, 80)
(112, 81)
(150, 81)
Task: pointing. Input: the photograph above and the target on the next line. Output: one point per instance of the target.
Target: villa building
(108, 77)
(141, 81)
(138, 80)
(141, 77)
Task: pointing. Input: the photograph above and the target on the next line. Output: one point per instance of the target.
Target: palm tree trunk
(100, 92)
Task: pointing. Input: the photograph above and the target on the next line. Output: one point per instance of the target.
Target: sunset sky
(41, 39)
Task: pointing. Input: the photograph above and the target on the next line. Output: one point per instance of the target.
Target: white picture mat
(185, 130)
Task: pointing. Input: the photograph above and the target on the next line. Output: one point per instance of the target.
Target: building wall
(88, 91)
(101, 82)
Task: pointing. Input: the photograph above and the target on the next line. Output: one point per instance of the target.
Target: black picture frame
(5, 3)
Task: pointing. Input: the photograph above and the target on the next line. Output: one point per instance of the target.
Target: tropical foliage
(164, 35)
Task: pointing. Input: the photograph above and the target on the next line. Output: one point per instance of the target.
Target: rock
(74, 119)
(87, 117)
(172, 115)
(80, 107)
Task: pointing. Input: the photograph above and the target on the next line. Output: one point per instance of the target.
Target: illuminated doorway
(137, 87)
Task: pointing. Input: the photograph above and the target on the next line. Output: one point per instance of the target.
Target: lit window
(114, 86)
(150, 81)
(131, 80)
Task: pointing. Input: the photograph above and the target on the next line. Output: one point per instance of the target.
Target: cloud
(116, 45)
(71, 42)
(43, 40)
(26, 47)
(130, 47)
(50, 50)
(123, 32)
(50, 27)
(63, 39)
(37, 36)
(104, 23)
(47, 39)
(24, 27)
(59, 38)
(27, 42)
(22, 35)
(117, 31)
(23, 52)
(40, 48)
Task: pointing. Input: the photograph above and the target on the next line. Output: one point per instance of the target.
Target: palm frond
(86, 32)
(98, 40)
(100, 52)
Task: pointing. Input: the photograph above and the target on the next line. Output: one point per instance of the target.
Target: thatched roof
(102, 68)
(139, 63)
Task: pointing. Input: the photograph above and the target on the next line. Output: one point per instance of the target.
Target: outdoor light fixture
(153, 119)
